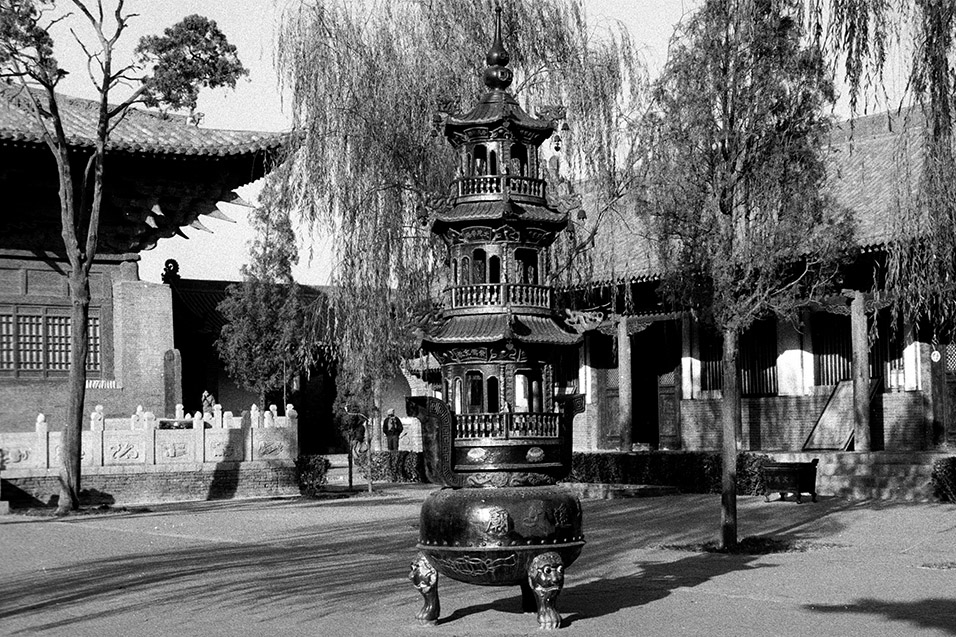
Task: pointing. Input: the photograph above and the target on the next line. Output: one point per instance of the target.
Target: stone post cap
(96, 419)
(42, 424)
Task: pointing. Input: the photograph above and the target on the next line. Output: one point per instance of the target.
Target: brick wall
(903, 422)
(121, 486)
(783, 423)
(136, 330)
(778, 423)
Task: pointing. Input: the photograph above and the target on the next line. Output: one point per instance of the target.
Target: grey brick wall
(118, 487)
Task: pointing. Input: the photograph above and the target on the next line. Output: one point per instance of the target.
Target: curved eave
(611, 281)
(496, 107)
(495, 328)
(501, 210)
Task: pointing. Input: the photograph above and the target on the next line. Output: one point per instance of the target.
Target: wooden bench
(790, 477)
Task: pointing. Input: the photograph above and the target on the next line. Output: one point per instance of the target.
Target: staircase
(881, 475)
(833, 430)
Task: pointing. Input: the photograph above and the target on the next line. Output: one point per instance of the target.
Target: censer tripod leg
(546, 579)
(425, 578)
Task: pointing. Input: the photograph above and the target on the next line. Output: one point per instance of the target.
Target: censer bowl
(491, 536)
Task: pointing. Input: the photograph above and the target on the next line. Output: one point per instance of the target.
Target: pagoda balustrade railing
(494, 294)
(507, 425)
(496, 184)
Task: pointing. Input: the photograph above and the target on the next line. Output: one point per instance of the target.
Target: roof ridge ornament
(497, 76)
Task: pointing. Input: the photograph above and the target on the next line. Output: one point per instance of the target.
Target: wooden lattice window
(758, 359)
(35, 342)
(710, 349)
(886, 352)
(832, 348)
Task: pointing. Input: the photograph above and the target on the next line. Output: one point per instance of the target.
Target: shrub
(689, 471)
(393, 466)
(944, 479)
(311, 473)
(750, 473)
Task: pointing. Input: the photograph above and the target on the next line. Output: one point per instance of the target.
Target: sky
(256, 104)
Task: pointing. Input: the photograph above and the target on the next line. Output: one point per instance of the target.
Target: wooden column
(624, 400)
(861, 372)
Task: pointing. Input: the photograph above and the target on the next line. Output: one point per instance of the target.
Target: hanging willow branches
(366, 80)
(920, 273)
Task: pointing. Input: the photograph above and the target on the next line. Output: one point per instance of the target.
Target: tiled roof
(139, 132)
(623, 248)
(871, 172)
(491, 328)
(874, 170)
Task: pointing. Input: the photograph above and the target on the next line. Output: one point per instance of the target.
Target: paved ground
(337, 567)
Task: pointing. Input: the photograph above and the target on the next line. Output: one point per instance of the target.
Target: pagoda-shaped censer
(502, 439)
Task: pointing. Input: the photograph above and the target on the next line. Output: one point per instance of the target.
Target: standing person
(392, 427)
(208, 403)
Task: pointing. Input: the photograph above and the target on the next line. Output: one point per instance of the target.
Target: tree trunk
(71, 444)
(731, 424)
(861, 373)
(375, 426)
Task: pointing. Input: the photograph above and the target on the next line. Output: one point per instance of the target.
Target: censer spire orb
(501, 438)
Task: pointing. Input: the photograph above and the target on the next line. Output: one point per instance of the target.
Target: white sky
(256, 104)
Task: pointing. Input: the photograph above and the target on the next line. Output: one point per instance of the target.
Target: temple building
(163, 174)
(652, 375)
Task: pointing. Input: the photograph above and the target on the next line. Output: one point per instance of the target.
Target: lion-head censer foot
(546, 579)
(425, 578)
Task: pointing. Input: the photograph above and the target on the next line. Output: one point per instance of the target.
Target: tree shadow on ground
(340, 554)
(312, 572)
(654, 581)
(925, 614)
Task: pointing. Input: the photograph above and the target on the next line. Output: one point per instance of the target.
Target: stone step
(851, 459)
(877, 475)
(885, 471)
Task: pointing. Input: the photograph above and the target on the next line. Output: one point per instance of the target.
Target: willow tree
(736, 180)
(369, 84)
(863, 35)
(167, 70)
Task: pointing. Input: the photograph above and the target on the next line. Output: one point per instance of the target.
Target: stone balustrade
(171, 443)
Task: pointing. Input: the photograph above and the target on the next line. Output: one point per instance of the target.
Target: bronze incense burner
(501, 438)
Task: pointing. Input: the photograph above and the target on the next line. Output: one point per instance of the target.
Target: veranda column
(625, 394)
(861, 372)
